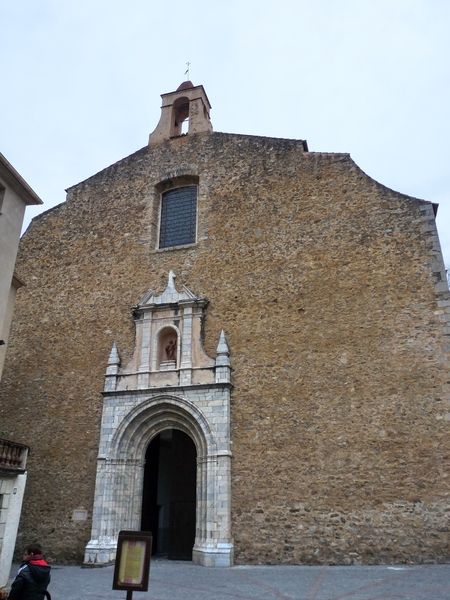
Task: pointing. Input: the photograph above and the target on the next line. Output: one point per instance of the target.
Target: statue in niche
(171, 349)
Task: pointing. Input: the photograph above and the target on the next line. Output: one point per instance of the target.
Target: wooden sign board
(131, 570)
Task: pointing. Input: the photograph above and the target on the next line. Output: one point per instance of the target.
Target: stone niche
(169, 383)
(168, 349)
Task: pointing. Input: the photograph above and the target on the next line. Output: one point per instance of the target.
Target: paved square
(172, 580)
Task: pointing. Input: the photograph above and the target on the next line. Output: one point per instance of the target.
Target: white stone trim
(140, 401)
(203, 415)
(12, 488)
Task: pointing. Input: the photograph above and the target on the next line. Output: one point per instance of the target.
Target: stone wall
(330, 289)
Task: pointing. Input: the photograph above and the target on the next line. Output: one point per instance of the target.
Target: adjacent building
(15, 196)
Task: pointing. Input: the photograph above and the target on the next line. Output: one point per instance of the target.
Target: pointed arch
(154, 415)
(120, 477)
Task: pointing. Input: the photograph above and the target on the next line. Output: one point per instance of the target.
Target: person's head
(32, 550)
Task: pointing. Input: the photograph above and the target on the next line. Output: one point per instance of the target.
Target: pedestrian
(32, 577)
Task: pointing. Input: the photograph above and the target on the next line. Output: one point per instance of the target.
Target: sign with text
(131, 570)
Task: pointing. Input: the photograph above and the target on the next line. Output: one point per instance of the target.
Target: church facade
(240, 345)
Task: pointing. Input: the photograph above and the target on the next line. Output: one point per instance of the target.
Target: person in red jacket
(32, 577)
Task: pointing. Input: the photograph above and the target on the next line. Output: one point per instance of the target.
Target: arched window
(180, 116)
(178, 223)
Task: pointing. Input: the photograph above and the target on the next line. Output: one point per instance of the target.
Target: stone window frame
(172, 183)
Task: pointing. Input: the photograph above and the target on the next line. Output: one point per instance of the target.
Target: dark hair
(33, 549)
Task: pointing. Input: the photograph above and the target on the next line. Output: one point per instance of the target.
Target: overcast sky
(81, 83)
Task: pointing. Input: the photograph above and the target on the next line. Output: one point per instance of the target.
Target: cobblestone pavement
(172, 580)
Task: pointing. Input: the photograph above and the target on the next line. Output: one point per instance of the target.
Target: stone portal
(169, 387)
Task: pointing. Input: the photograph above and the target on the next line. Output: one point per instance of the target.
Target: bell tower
(187, 106)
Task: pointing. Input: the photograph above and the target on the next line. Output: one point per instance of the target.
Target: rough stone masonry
(332, 294)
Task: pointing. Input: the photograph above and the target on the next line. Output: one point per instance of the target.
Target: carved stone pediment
(168, 350)
(169, 296)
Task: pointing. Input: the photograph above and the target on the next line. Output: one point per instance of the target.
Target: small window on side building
(178, 222)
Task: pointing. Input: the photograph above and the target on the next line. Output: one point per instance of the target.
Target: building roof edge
(16, 181)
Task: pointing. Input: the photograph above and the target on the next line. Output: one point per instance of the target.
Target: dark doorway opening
(169, 495)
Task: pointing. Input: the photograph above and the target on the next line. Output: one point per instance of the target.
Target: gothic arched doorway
(121, 470)
(169, 494)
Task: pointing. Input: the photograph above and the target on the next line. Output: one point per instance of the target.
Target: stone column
(145, 354)
(213, 546)
(101, 548)
(186, 347)
(117, 506)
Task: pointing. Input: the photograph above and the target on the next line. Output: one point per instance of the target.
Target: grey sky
(81, 83)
